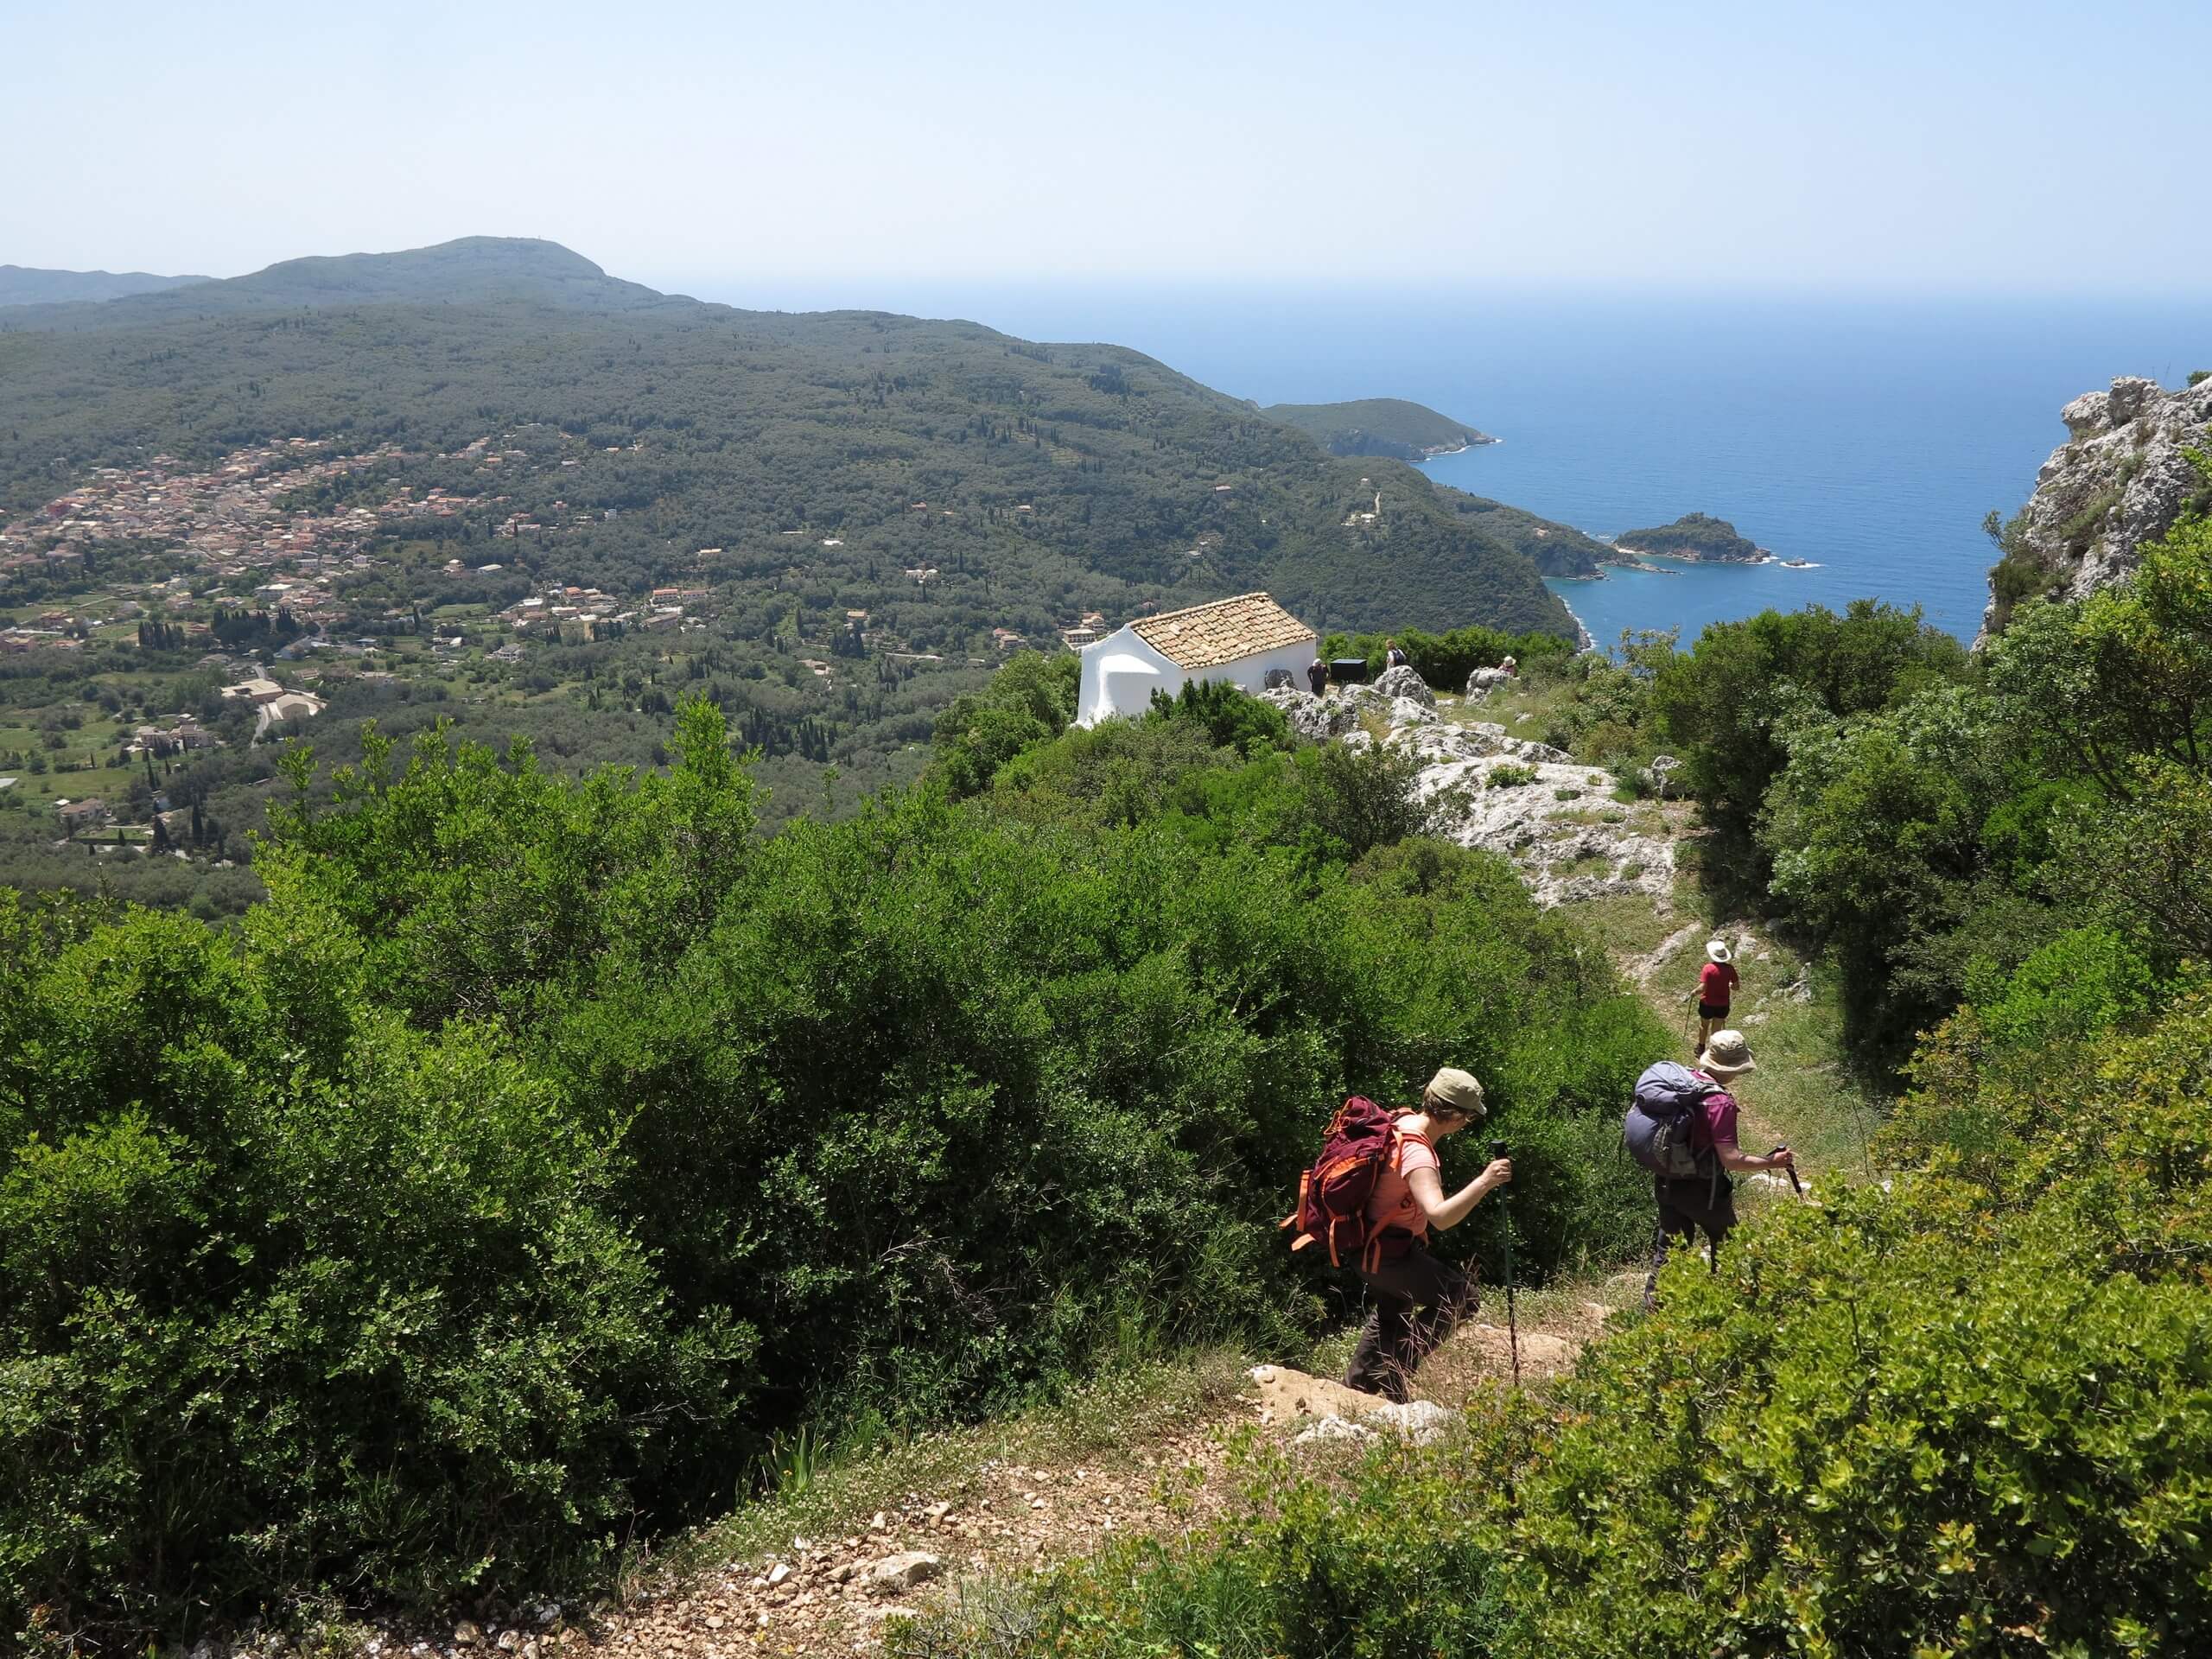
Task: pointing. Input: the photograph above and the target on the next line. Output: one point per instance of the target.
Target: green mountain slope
(1056, 478)
(1379, 426)
(29, 285)
(1557, 550)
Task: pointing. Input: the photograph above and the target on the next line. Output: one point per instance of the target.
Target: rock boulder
(1404, 682)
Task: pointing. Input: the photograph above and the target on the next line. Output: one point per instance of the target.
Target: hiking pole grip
(1790, 1170)
(1512, 1317)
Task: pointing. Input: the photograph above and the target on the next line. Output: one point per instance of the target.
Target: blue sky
(798, 150)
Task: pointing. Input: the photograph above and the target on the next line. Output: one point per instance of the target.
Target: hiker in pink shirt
(1705, 1201)
(1418, 1299)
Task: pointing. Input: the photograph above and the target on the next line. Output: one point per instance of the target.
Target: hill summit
(470, 270)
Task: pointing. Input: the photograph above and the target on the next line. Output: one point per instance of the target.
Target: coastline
(1640, 558)
(1583, 640)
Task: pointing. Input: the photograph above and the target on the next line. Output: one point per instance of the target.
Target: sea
(1867, 437)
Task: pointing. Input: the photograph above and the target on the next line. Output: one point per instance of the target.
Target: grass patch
(1801, 1093)
(1627, 924)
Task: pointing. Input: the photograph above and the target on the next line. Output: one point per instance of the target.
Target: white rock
(1405, 682)
(1331, 1429)
(1422, 1421)
(902, 1572)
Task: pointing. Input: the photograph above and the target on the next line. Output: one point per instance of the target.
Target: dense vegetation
(1378, 426)
(1693, 536)
(1961, 1411)
(540, 1148)
(748, 425)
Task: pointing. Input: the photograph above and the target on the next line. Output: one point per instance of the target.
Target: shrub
(292, 1307)
(1304, 1570)
(1510, 776)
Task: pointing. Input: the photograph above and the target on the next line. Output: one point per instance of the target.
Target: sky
(806, 153)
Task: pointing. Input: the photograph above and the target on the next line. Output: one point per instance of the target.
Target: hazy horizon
(1875, 150)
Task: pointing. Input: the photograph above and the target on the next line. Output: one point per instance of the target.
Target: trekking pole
(1790, 1170)
(1512, 1319)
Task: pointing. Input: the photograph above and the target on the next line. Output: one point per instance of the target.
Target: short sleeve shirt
(1716, 1122)
(1716, 983)
(1393, 1204)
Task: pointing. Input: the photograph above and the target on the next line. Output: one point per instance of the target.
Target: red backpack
(1332, 1196)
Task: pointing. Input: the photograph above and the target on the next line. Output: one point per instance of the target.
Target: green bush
(291, 1305)
(1868, 1436)
(539, 1152)
(1304, 1570)
(1444, 660)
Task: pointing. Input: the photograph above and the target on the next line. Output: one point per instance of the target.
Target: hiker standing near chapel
(1372, 1200)
(1716, 989)
(1682, 1128)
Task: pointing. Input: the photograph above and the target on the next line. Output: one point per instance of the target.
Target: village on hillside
(166, 615)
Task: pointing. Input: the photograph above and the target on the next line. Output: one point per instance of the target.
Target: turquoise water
(1867, 437)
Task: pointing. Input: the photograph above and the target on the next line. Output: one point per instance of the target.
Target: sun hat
(1717, 949)
(1727, 1055)
(1458, 1090)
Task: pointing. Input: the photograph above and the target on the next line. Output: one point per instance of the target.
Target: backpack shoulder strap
(1398, 1139)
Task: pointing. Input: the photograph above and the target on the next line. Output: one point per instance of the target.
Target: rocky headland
(1392, 427)
(2124, 473)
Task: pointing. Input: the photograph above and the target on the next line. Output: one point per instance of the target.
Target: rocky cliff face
(2120, 479)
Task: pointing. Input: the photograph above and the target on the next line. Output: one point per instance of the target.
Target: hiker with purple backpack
(1681, 1127)
(1371, 1199)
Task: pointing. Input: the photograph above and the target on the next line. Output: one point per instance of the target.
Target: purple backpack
(1657, 1130)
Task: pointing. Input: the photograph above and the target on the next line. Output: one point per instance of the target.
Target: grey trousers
(1686, 1209)
(1417, 1301)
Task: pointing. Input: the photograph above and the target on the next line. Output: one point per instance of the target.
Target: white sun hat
(1717, 949)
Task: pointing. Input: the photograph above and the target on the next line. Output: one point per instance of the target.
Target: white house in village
(1238, 640)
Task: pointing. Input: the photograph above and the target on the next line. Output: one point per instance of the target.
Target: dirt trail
(829, 1594)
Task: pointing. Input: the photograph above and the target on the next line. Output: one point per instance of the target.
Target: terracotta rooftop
(1223, 632)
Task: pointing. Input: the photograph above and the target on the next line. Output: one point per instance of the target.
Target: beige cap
(1458, 1090)
(1727, 1055)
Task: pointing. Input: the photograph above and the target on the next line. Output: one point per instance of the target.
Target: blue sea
(1868, 437)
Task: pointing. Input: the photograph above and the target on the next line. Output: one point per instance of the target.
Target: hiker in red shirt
(1418, 1299)
(1705, 1201)
(1716, 988)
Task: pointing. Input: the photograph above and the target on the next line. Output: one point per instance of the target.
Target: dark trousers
(1686, 1208)
(1417, 1301)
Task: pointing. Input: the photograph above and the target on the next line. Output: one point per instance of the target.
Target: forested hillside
(1039, 480)
(486, 483)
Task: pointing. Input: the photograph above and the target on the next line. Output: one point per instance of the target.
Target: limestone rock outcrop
(2120, 479)
(1403, 682)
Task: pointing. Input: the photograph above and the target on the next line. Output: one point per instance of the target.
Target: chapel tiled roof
(1226, 630)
